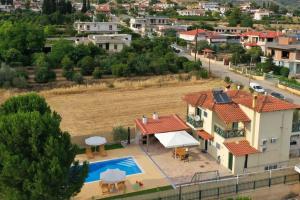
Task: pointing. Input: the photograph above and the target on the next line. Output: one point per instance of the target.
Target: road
(221, 70)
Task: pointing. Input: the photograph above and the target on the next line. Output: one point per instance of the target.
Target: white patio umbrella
(95, 141)
(176, 139)
(112, 176)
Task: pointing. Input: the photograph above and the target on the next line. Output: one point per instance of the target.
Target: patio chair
(121, 185)
(89, 153)
(186, 157)
(104, 188)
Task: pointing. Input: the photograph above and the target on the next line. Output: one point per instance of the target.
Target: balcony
(296, 127)
(229, 133)
(196, 124)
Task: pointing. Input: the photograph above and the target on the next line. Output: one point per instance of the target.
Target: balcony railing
(229, 133)
(196, 124)
(296, 127)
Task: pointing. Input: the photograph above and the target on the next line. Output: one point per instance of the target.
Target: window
(273, 140)
(270, 167)
(285, 54)
(205, 114)
(88, 27)
(235, 125)
(198, 111)
(217, 145)
(293, 142)
(115, 47)
(110, 27)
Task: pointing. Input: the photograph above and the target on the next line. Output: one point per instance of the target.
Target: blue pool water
(127, 164)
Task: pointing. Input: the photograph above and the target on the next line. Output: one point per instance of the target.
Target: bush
(87, 65)
(284, 71)
(97, 73)
(202, 74)
(19, 82)
(227, 79)
(78, 78)
(44, 75)
(119, 133)
(67, 65)
(120, 70)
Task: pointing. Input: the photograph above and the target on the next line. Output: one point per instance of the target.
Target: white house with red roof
(255, 38)
(203, 35)
(245, 132)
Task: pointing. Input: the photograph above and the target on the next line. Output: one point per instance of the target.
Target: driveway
(221, 71)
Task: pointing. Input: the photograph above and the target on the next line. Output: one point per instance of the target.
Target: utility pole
(196, 41)
(250, 70)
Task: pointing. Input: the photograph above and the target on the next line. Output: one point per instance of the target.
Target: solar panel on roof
(221, 97)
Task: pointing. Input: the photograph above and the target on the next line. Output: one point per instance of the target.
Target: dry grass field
(96, 109)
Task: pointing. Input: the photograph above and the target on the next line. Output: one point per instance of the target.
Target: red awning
(206, 136)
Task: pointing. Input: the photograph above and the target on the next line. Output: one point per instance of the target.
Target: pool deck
(151, 176)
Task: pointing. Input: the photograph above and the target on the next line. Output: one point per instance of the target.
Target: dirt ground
(96, 110)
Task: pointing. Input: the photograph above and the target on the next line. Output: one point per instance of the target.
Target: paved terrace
(181, 172)
(151, 176)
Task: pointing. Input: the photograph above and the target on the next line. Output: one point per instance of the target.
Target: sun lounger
(104, 188)
(121, 185)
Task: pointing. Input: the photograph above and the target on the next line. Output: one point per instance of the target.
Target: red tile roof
(253, 44)
(240, 148)
(162, 125)
(267, 34)
(229, 112)
(205, 135)
(264, 103)
(193, 32)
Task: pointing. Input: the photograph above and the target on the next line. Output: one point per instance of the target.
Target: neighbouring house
(245, 132)
(109, 42)
(285, 52)
(161, 29)
(209, 6)
(145, 24)
(191, 12)
(259, 14)
(6, 8)
(96, 27)
(225, 29)
(104, 9)
(203, 35)
(255, 38)
(146, 128)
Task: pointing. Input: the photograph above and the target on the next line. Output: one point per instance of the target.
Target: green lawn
(159, 189)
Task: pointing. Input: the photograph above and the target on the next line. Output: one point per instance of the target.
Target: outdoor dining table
(97, 141)
(113, 176)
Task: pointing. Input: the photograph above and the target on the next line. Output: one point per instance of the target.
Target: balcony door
(199, 112)
(230, 160)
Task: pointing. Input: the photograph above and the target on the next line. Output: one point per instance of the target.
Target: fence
(225, 187)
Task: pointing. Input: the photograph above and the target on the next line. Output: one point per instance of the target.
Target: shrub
(202, 74)
(19, 82)
(67, 65)
(284, 71)
(227, 79)
(78, 78)
(119, 133)
(97, 73)
(44, 75)
(87, 65)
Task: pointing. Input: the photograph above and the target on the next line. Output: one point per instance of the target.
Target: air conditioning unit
(264, 141)
(273, 140)
(263, 149)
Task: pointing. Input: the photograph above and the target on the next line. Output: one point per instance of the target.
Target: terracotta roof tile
(162, 125)
(205, 135)
(230, 112)
(193, 32)
(266, 34)
(240, 148)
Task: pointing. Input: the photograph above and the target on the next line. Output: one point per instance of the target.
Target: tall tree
(37, 158)
(84, 6)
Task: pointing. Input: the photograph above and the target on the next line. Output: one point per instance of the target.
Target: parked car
(277, 95)
(257, 88)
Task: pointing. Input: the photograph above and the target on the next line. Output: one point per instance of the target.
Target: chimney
(155, 116)
(144, 119)
(254, 101)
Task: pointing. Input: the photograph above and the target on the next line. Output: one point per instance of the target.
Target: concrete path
(221, 71)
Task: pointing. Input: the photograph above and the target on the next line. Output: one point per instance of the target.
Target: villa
(286, 53)
(244, 132)
(149, 23)
(96, 27)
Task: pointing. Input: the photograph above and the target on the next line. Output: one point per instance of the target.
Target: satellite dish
(197, 118)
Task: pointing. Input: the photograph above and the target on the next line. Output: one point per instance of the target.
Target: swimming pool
(127, 164)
